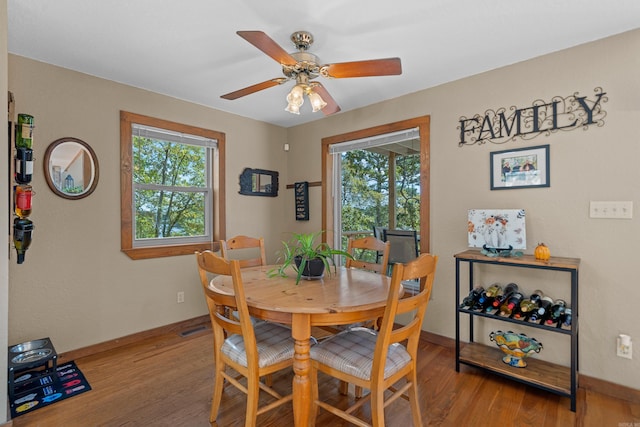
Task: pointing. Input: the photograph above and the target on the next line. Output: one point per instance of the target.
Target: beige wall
(78, 288)
(596, 164)
(75, 285)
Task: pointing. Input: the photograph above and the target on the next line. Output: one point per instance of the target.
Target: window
(171, 187)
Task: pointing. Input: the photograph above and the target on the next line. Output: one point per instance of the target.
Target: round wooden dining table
(344, 297)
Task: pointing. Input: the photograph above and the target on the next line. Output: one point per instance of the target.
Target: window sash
(207, 190)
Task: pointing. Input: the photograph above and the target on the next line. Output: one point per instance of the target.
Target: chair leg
(313, 379)
(218, 387)
(253, 394)
(377, 407)
(344, 388)
(358, 392)
(414, 401)
(268, 380)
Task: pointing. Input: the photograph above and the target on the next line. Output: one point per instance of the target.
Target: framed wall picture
(520, 168)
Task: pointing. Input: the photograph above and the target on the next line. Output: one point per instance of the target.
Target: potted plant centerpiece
(308, 258)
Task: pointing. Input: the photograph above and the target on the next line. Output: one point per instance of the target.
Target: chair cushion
(352, 352)
(274, 345)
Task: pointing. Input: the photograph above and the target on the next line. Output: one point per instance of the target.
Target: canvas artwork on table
(497, 228)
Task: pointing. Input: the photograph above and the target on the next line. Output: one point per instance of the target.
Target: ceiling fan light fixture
(295, 99)
(293, 108)
(317, 103)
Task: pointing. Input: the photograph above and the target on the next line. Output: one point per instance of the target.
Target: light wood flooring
(167, 381)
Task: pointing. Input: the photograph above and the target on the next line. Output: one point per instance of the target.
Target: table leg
(301, 332)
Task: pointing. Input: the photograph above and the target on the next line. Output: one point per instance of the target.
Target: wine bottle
(24, 131)
(473, 296)
(536, 296)
(22, 229)
(529, 305)
(487, 297)
(565, 323)
(508, 291)
(508, 307)
(556, 311)
(22, 200)
(542, 312)
(23, 165)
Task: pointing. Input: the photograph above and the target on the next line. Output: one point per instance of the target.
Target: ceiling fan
(303, 66)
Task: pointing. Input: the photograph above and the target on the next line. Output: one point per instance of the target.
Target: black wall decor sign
(542, 118)
(301, 192)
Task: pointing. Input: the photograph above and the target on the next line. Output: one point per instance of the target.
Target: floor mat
(37, 389)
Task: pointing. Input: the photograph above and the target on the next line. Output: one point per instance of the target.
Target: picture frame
(497, 229)
(520, 168)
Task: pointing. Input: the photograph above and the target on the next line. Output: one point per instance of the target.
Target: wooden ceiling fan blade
(254, 88)
(266, 44)
(332, 106)
(369, 68)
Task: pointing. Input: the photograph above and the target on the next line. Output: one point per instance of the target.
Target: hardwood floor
(167, 381)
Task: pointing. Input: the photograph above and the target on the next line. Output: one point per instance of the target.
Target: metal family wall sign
(503, 125)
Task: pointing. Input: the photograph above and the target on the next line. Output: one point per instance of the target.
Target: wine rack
(547, 376)
(20, 135)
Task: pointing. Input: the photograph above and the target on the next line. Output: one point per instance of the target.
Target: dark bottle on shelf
(556, 311)
(510, 305)
(509, 290)
(543, 311)
(529, 305)
(498, 295)
(470, 300)
(487, 297)
(565, 322)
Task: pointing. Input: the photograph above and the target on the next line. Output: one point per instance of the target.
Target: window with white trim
(168, 178)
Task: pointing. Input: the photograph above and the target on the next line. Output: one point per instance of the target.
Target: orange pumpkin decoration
(542, 252)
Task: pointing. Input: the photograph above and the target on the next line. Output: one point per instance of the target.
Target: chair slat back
(376, 248)
(424, 268)
(221, 303)
(242, 244)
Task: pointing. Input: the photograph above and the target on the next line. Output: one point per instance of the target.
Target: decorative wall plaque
(542, 118)
(301, 192)
(259, 182)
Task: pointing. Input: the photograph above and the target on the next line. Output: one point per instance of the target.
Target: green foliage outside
(177, 210)
(365, 191)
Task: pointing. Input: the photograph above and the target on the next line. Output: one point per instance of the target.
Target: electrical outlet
(624, 346)
(180, 297)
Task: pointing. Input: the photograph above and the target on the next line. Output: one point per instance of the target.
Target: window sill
(166, 251)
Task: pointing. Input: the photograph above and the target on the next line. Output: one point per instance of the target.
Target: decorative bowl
(516, 347)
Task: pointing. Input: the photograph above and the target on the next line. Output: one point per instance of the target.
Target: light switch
(614, 210)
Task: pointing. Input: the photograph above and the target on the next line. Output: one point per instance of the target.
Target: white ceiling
(189, 49)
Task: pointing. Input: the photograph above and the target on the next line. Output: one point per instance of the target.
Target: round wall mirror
(71, 168)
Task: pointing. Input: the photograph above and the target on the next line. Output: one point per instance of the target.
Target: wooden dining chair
(377, 360)
(365, 252)
(243, 245)
(364, 255)
(252, 350)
